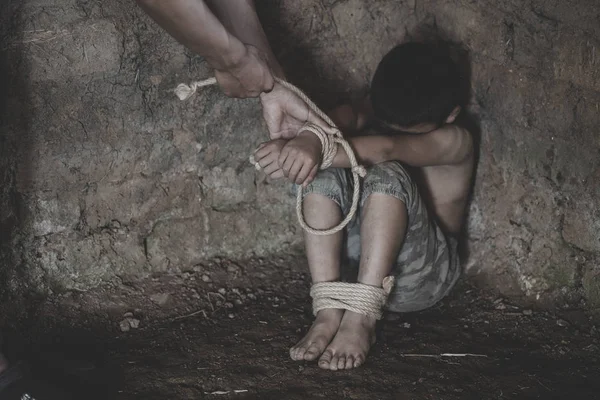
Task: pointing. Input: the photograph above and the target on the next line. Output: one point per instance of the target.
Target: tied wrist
(328, 144)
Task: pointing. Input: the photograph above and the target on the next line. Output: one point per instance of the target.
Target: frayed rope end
(184, 91)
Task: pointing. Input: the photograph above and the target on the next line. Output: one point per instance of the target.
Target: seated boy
(407, 135)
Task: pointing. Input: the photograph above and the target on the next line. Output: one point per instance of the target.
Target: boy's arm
(447, 145)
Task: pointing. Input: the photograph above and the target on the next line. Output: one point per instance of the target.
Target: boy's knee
(389, 178)
(330, 183)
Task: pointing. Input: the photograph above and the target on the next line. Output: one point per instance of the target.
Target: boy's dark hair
(417, 83)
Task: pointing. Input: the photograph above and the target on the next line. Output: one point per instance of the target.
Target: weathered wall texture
(107, 175)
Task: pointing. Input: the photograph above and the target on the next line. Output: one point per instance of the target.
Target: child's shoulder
(455, 139)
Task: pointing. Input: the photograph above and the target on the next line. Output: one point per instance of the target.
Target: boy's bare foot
(318, 337)
(351, 344)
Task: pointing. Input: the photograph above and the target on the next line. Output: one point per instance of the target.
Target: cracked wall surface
(106, 175)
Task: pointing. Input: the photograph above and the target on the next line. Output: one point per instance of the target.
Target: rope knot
(360, 170)
(184, 91)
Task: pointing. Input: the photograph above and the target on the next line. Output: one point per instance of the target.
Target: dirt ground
(223, 330)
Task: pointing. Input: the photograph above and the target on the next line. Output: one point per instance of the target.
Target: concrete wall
(107, 175)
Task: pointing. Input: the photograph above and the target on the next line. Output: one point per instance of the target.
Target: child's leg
(383, 226)
(322, 210)
(397, 236)
(323, 254)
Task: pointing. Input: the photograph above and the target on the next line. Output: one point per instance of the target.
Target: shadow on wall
(296, 57)
(16, 158)
(428, 31)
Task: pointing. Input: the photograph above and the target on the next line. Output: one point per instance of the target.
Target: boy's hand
(267, 156)
(300, 158)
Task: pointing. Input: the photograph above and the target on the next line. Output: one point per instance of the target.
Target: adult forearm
(240, 19)
(193, 24)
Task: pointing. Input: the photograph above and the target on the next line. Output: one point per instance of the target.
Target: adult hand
(249, 76)
(285, 113)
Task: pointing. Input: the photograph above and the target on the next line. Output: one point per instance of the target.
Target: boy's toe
(333, 365)
(341, 364)
(349, 362)
(358, 361)
(325, 359)
(312, 353)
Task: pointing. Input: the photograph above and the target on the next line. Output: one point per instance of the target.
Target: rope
(329, 142)
(356, 297)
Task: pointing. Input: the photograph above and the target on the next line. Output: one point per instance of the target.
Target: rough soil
(199, 339)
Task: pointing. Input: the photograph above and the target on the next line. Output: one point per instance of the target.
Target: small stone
(160, 298)
(206, 278)
(124, 325)
(527, 312)
(300, 368)
(251, 296)
(218, 303)
(222, 291)
(231, 316)
(134, 323)
(561, 322)
(406, 325)
(238, 302)
(128, 315)
(500, 306)
(233, 268)
(228, 305)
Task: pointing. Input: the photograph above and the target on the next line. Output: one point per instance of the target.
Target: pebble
(134, 323)
(124, 325)
(206, 278)
(231, 316)
(251, 296)
(527, 312)
(228, 305)
(222, 291)
(238, 302)
(160, 298)
(128, 315)
(561, 322)
(406, 325)
(233, 269)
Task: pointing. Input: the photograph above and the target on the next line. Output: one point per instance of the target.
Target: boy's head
(417, 87)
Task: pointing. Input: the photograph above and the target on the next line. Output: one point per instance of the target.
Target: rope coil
(356, 297)
(329, 142)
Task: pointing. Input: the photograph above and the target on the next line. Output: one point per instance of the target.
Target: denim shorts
(427, 266)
